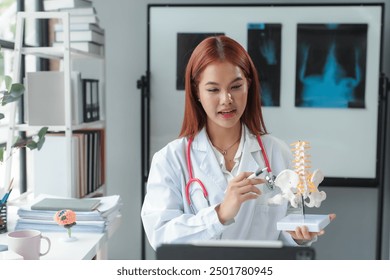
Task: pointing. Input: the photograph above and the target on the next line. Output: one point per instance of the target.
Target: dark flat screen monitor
(234, 251)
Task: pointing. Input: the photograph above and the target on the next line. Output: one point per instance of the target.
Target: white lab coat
(166, 216)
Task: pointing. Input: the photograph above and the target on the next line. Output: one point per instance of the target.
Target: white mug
(27, 243)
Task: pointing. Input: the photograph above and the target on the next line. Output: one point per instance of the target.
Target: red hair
(223, 49)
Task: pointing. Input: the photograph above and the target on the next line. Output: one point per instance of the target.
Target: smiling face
(217, 81)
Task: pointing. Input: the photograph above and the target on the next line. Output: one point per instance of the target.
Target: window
(8, 11)
(7, 19)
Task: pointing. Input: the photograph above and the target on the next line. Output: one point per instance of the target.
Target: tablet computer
(234, 250)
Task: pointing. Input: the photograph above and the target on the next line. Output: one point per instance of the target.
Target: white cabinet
(63, 156)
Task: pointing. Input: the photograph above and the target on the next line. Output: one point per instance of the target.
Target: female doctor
(198, 186)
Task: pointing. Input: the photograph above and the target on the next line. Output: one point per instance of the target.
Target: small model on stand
(67, 219)
(300, 188)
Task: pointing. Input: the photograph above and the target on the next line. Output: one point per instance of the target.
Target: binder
(91, 100)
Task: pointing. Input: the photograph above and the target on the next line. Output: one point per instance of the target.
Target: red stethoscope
(270, 178)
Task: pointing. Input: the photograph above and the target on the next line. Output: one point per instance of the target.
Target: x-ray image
(264, 47)
(331, 65)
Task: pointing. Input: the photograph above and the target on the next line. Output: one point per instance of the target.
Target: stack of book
(85, 31)
(88, 164)
(92, 214)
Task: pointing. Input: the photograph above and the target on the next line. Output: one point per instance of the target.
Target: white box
(45, 98)
(50, 167)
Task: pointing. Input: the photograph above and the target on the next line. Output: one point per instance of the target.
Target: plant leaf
(32, 145)
(42, 132)
(16, 90)
(41, 135)
(14, 94)
(40, 143)
(2, 154)
(1, 116)
(7, 99)
(8, 82)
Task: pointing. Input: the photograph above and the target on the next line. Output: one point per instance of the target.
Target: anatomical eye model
(300, 188)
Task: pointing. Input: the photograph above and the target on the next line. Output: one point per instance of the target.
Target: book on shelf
(84, 19)
(80, 27)
(53, 5)
(80, 11)
(92, 69)
(81, 36)
(94, 154)
(88, 47)
(45, 98)
(88, 167)
(77, 95)
(91, 106)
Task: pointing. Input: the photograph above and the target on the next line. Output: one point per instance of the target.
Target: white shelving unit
(68, 57)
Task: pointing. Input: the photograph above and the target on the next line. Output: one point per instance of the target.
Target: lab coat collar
(252, 143)
(208, 162)
(251, 148)
(200, 142)
(209, 165)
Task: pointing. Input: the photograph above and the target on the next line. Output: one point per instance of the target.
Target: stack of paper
(98, 220)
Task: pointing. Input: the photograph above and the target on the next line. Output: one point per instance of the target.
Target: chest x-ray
(331, 65)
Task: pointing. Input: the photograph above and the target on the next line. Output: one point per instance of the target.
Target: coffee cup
(27, 243)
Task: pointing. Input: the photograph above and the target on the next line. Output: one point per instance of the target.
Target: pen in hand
(258, 172)
(254, 174)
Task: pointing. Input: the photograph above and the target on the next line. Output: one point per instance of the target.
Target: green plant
(13, 92)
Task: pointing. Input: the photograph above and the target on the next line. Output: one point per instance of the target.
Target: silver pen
(257, 173)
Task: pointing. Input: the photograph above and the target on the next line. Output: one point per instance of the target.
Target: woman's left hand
(302, 234)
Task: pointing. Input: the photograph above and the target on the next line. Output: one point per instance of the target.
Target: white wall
(351, 236)
(125, 26)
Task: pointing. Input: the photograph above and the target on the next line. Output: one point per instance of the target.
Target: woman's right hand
(239, 190)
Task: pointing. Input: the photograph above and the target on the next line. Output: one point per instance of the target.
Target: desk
(86, 247)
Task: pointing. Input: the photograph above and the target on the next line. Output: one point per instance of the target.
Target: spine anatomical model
(300, 184)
